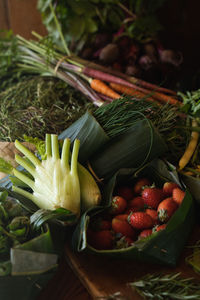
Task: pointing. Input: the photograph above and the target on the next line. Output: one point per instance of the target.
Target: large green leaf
(135, 147)
(90, 134)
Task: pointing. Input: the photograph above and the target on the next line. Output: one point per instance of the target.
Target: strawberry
(136, 203)
(101, 240)
(152, 196)
(166, 208)
(168, 188)
(125, 192)
(160, 227)
(122, 217)
(145, 233)
(122, 226)
(140, 220)
(178, 195)
(153, 214)
(118, 205)
(100, 224)
(140, 183)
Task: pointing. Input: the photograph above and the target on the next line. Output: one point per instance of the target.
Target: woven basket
(8, 151)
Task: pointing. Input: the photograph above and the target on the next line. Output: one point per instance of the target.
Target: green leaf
(42, 216)
(77, 26)
(90, 134)
(91, 25)
(133, 148)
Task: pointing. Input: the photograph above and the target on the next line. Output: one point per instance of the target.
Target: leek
(55, 180)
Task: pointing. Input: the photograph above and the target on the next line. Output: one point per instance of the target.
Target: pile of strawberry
(135, 213)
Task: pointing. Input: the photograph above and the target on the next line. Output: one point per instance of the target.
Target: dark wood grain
(24, 17)
(65, 285)
(4, 19)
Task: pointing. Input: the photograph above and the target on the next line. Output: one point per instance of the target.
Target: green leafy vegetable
(81, 20)
(191, 102)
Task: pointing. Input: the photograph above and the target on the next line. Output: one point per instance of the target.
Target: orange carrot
(165, 98)
(154, 95)
(129, 91)
(101, 87)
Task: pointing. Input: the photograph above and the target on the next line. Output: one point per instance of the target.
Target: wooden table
(64, 285)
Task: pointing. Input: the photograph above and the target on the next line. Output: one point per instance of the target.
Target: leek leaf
(90, 134)
(133, 148)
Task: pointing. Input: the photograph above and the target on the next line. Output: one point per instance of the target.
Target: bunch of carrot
(96, 82)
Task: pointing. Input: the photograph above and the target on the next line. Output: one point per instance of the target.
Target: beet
(172, 57)
(109, 53)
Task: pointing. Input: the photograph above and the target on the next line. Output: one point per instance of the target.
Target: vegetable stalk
(55, 180)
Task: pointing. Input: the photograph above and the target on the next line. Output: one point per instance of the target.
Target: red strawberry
(125, 192)
(153, 214)
(136, 203)
(122, 226)
(166, 208)
(118, 205)
(168, 188)
(178, 195)
(160, 227)
(152, 196)
(140, 183)
(145, 233)
(122, 217)
(101, 240)
(140, 220)
(100, 224)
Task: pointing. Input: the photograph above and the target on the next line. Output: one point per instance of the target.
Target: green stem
(60, 31)
(48, 145)
(55, 146)
(27, 153)
(25, 164)
(74, 159)
(24, 178)
(195, 171)
(65, 153)
(23, 193)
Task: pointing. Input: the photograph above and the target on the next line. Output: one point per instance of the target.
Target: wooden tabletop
(64, 285)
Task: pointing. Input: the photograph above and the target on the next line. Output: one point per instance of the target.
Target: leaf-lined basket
(163, 247)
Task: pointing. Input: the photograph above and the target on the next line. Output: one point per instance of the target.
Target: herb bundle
(36, 105)
(167, 287)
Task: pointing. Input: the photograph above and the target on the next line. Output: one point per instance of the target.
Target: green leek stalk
(56, 182)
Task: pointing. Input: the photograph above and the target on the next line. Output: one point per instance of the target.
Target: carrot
(189, 151)
(94, 70)
(165, 98)
(113, 79)
(102, 88)
(151, 86)
(129, 91)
